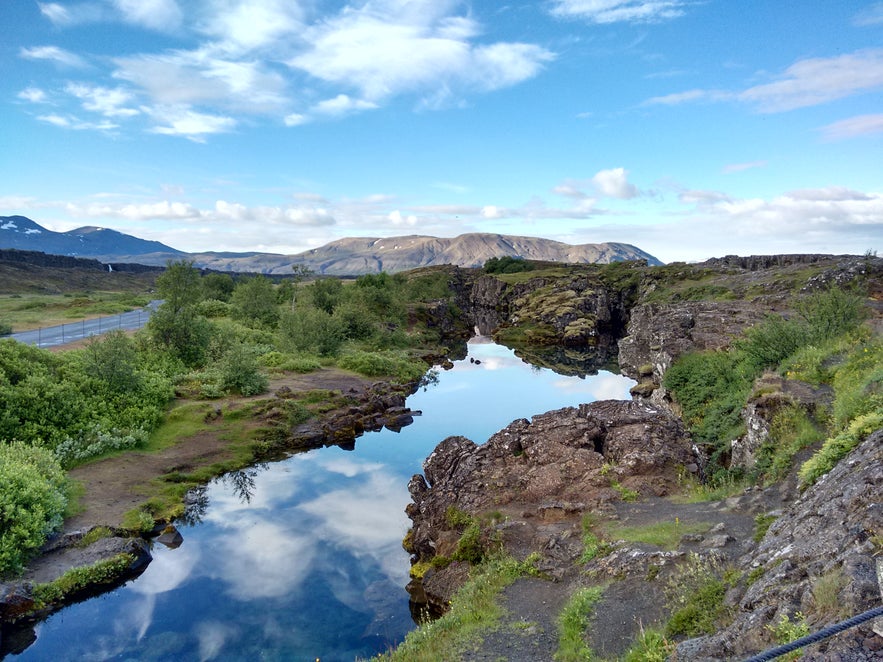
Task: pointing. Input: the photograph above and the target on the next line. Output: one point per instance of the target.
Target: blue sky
(690, 128)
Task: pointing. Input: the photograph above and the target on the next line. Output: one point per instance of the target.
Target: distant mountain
(344, 257)
(24, 234)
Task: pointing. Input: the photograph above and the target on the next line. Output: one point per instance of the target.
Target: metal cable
(829, 631)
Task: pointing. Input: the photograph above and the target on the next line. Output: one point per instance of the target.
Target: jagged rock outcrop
(657, 334)
(569, 460)
(818, 558)
(574, 311)
(772, 393)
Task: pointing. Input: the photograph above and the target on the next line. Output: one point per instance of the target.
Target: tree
(113, 360)
(254, 301)
(217, 286)
(179, 286)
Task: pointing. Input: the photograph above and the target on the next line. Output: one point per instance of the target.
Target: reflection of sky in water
(312, 566)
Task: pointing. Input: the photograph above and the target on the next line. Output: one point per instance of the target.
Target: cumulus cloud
(54, 54)
(246, 25)
(611, 183)
(615, 11)
(388, 48)
(108, 102)
(853, 127)
(614, 184)
(154, 210)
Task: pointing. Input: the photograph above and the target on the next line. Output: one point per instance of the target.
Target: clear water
(301, 559)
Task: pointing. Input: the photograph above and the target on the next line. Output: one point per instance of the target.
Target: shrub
(32, 502)
(839, 446)
(383, 364)
(240, 372)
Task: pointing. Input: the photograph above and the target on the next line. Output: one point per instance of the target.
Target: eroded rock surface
(556, 465)
(824, 538)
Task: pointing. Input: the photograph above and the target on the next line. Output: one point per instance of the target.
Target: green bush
(383, 364)
(240, 372)
(32, 502)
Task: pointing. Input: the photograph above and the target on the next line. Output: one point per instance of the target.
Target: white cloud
(396, 218)
(805, 83)
(342, 105)
(54, 54)
(55, 12)
(245, 25)
(199, 77)
(295, 119)
(33, 94)
(108, 102)
(853, 127)
(614, 184)
(819, 80)
(181, 120)
(160, 15)
(134, 212)
(870, 16)
(389, 48)
(70, 122)
(678, 98)
(614, 11)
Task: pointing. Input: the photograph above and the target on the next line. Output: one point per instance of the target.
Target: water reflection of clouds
(347, 466)
(603, 386)
(264, 559)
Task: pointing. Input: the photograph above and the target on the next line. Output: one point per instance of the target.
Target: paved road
(59, 335)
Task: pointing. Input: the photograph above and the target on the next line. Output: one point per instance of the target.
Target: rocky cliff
(532, 486)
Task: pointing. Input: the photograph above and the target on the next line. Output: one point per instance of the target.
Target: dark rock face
(827, 534)
(569, 456)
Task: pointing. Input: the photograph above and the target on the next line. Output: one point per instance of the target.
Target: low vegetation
(572, 623)
(474, 609)
(823, 342)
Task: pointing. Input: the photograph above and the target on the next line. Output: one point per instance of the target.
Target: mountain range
(343, 257)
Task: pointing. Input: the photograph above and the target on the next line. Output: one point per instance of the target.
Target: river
(301, 559)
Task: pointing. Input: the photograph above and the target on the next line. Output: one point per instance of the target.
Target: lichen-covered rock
(828, 537)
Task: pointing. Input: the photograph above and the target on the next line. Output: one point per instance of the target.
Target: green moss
(105, 572)
(761, 526)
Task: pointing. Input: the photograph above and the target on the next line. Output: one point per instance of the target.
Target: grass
(593, 545)
(474, 609)
(76, 580)
(665, 535)
(651, 645)
(695, 596)
(572, 623)
(762, 524)
(826, 589)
